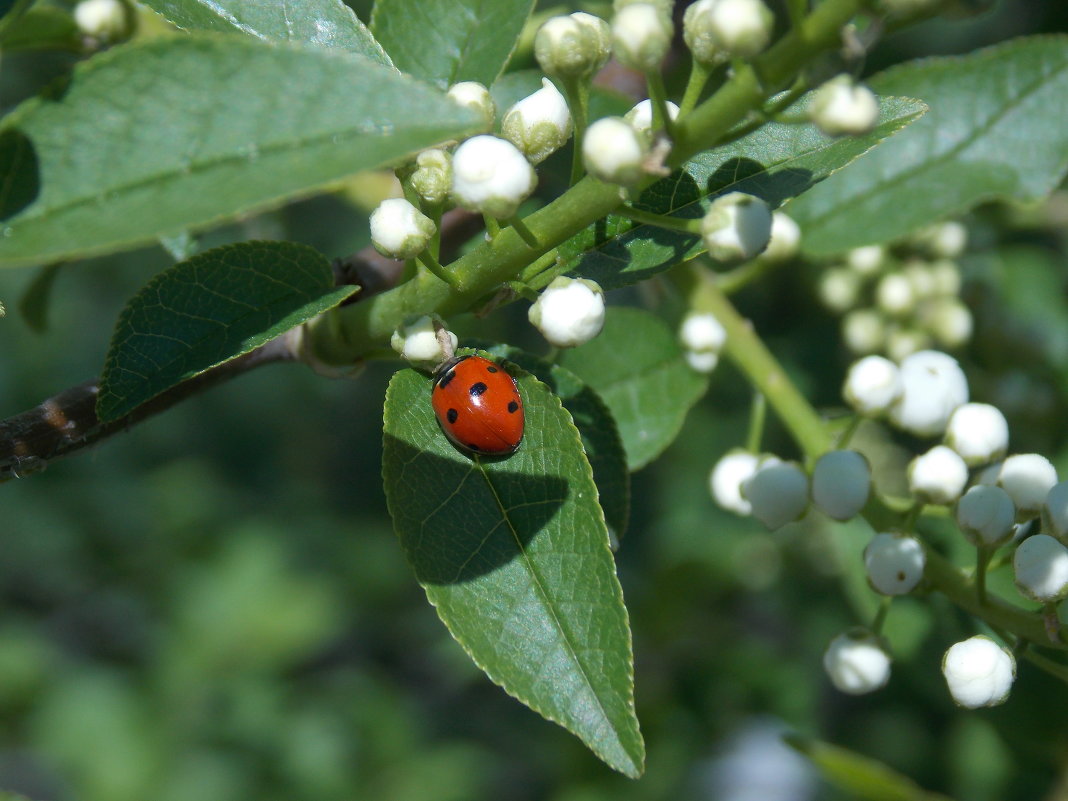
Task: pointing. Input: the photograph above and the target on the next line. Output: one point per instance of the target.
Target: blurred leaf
(448, 41)
(156, 154)
(41, 28)
(514, 555)
(327, 23)
(181, 246)
(33, 306)
(208, 310)
(862, 778)
(775, 162)
(995, 130)
(637, 367)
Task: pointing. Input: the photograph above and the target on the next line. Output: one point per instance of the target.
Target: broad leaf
(326, 23)
(995, 130)
(42, 27)
(636, 365)
(447, 41)
(514, 555)
(210, 309)
(775, 162)
(156, 153)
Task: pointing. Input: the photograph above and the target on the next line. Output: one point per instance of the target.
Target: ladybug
(478, 405)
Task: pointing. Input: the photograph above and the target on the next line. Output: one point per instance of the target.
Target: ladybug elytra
(478, 405)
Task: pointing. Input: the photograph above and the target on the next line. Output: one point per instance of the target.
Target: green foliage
(41, 27)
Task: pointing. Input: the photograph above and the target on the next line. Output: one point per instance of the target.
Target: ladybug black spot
(452, 414)
(445, 379)
(513, 407)
(491, 369)
(477, 389)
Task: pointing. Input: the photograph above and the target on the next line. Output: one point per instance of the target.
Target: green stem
(1046, 664)
(740, 277)
(434, 211)
(577, 92)
(851, 429)
(689, 225)
(492, 226)
(758, 413)
(982, 563)
(699, 75)
(538, 266)
(528, 236)
(880, 615)
(426, 258)
(654, 81)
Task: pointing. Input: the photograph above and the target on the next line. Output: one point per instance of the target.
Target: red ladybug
(478, 405)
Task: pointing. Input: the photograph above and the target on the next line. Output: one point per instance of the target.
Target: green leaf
(447, 41)
(513, 553)
(325, 23)
(637, 367)
(33, 306)
(208, 310)
(995, 130)
(776, 162)
(40, 28)
(155, 153)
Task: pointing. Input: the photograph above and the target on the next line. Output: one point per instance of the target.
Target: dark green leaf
(775, 162)
(995, 130)
(636, 365)
(43, 27)
(447, 41)
(155, 153)
(514, 555)
(325, 23)
(208, 310)
(33, 306)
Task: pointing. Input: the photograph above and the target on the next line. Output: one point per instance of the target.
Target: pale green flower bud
(719, 30)
(569, 312)
(433, 175)
(491, 175)
(614, 152)
(475, 96)
(539, 124)
(106, 20)
(399, 230)
(573, 46)
(418, 342)
(641, 36)
(842, 108)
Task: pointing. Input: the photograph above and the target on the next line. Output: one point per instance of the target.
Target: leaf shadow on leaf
(467, 536)
(20, 173)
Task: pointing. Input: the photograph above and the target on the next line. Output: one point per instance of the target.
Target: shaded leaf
(40, 28)
(35, 301)
(205, 311)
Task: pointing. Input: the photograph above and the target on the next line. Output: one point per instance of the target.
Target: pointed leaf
(210, 309)
(995, 130)
(513, 553)
(155, 153)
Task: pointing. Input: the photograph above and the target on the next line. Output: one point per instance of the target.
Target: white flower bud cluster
(771, 490)
(569, 312)
(703, 337)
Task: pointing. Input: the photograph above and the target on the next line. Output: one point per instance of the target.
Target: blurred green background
(213, 605)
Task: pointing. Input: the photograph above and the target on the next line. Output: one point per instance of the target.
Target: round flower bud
(728, 475)
(719, 30)
(475, 96)
(1028, 478)
(1041, 567)
(894, 294)
(903, 341)
(399, 230)
(641, 36)
(641, 116)
(978, 432)
(840, 107)
(856, 663)
(866, 260)
(417, 342)
(921, 277)
(950, 322)
(938, 476)
(785, 239)
(433, 175)
(569, 312)
(107, 20)
(613, 151)
(736, 227)
(573, 46)
(701, 331)
(701, 361)
(864, 331)
(491, 175)
(933, 385)
(979, 672)
(895, 563)
(539, 124)
(778, 492)
(872, 385)
(986, 515)
(839, 289)
(945, 240)
(841, 483)
(946, 276)
(1055, 511)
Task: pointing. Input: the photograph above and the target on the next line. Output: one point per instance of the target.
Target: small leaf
(324, 23)
(41, 28)
(155, 154)
(995, 130)
(636, 365)
(33, 306)
(513, 553)
(448, 41)
(208, 310)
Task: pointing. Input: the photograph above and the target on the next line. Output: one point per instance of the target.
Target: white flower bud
(573, 46)
(921, 277)
(1028, 478)
(864, 331)
(872, 385)
(841, 107)
(417, 342)
(856, 663)
(894, 294)
(1041, 567)
(866, 260)
(399, 230)
(701, 361)
(778, 492)
(895, 563)
(839, 289)
(614, 152)
(785, 238)
(933, 385)
(986, 515)
(569, 312)
(736, 227)
(1055, 511)
(978, 672)
(950, 322)
(938, 476)
(106, 20)
(641, 116)
(475, 96)
(433, 175)
(945, 240)
(841, 483)
(903, 341)
(491, 175)
(701, 331)
(978, 432)
(539, 124)
(641, 36)
(727, 477)
(946, 276)
(719, 30)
